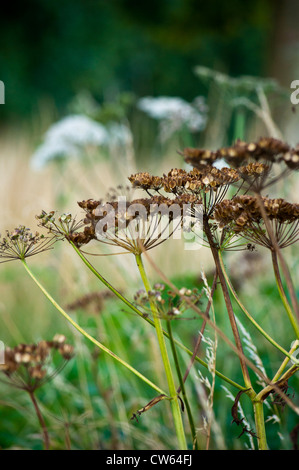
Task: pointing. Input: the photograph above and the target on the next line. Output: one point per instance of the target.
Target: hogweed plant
(223, 208)
(29, 367)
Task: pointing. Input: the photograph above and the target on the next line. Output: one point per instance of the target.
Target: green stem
(286, 361)
(175, 406)
(282, 294)
(277, 377)
(250, 318)
(87, 335)
(260, 424)
(148, 320)
(182, 385)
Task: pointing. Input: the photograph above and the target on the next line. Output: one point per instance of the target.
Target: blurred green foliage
(53, 50)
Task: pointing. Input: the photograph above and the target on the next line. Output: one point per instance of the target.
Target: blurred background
(96, 90)
(100, 58)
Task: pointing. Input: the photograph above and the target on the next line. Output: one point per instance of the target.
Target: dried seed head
(169, 304)
(145, 181)
(242, 214)
(267, 151)
(199, 158)
(27, 365)
(291, 158)
(135, 225)
(61, 227)
(206, 185)
(22, 243)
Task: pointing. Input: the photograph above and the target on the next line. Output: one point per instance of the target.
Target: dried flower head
(291, 158)
(207, 186)
(170, 305)
(243, 216)
(136, 225)
(253, 160)
(146, 181)
(22, 243)
(266, 149)
(254, 176)
(28, 366)
(62, 226)
(199, 158)
(65, 226)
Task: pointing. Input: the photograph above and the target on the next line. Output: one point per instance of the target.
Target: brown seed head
(27, 364)
(145, 181)
(243, 215)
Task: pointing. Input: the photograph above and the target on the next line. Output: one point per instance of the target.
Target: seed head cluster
(206, 186)
(170, 305)
(135, 225)
(27, 365)
(243, 215)
(21, 243)
(179, 181)
(266, 149)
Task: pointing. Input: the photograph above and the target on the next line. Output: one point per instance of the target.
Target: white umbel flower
(174, 113)
(67, 138)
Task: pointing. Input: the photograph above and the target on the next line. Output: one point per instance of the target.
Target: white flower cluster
(68, 138)
(71, 135)
(174, 114)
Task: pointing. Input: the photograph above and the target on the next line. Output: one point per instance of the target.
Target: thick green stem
(87, 335)
(175, 405)
(282, 294)
(258, 407)
(182, 385)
